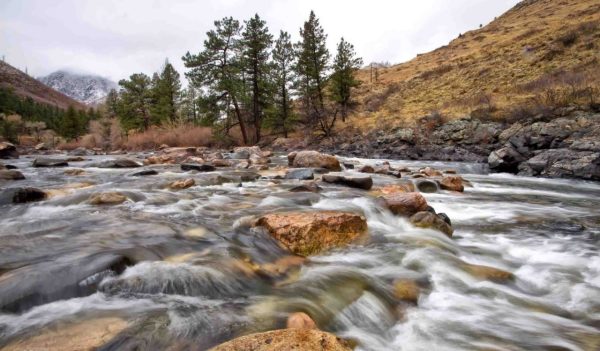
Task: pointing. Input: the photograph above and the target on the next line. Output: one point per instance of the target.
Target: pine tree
(71, 124)
(217, 70)
(311, 69)
(345, 65)
(283, 59)
(135, 102)
(112, 103)
(167, 94)
(189, 104)
(255, 45)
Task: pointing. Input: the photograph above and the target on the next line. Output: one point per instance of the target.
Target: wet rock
(240, 176)
(144, 172)
(240, 155)
(430, 172)
(49, 162)
(109, 198)
(427, 186)
(250, 151)
(11, 174)
(308, 187)
(259, 160)
(75, 159)
(21, 195)
(314, 159)
(407, 290)
(445, 218)
(74, 172)
(300, 173)
(300, 320)
(81, 151)
(309, 233)
(406, 204)
(488, 273)
(205, 167)
(366, 169)
(291, 156)
(117, 163)
(282, 265)
(8, 150)
(348, 165)
(218, 162)
(81, 335)
(426, 219)
(182, 184)
(394, 188)
(453, 183)
(284, 340)
(505, 159)
(354, 181)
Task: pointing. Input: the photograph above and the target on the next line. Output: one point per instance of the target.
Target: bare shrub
(183, 135)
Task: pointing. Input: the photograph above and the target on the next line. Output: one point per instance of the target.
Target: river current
(178, 270)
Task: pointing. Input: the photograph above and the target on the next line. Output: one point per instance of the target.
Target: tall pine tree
(311, 69)
(345, 65)
(167, 94)
(135, 102)
(217, 70)
(282, 117)
(255, 45)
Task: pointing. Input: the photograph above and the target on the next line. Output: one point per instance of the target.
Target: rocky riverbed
(191, 248)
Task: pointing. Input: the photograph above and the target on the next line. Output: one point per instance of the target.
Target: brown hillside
(529, 53)
(26, 86)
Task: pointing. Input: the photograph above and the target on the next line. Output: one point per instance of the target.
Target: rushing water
(177, 266)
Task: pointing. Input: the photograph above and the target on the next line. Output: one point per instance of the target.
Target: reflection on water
(183, 268)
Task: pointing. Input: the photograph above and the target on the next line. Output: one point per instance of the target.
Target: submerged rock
(285, 340)
(144, 172)
(111, 198)
(21, 195)
(309, 233)
(74, 172)
(300, 173)
(117, 163)
(11, 174)
(427, 186)
(49, 162)
(314, 159)
(354, 181)
(8, 150)
(407, 290)
(300, 320)
(182, 184)
(405, 204)
(426, 219)
(488, 273)
(308, 186)
(452, 182)
(204, 167)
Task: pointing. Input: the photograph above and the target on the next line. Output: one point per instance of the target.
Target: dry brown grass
(183, 135)
(533, 40)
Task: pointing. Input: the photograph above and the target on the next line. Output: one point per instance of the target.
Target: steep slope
(89, 89)
(26, 86)
(520, 57)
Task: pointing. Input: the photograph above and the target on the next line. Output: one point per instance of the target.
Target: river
(177, 269)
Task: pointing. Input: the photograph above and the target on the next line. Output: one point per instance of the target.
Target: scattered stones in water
(453, 183)
(109, 198)
(300, 320)
(488, 273)
(309, 233)
(286, 339)
(182, 184)
(404, 204)
(313, 159)
(426, 219)
(144, 173)
(354, 181)
(300, 173)
(49, 162)
(427, 186)
(407, 290)
(204, 167)
(11, 174)
(21, 195)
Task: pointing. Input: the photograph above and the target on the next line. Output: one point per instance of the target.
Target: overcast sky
(115, 38)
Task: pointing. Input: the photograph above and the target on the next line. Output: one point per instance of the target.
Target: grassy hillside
(539, 52)
(26, 86)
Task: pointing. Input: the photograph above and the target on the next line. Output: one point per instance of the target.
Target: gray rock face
(563, 163)
(354, 181)
(506, 159)
(300, 173)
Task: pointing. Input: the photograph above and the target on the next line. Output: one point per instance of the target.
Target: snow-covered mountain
(88, 89)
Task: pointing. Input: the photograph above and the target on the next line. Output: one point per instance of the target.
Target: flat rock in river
(355, 181)
(117, 163)
(49, 162)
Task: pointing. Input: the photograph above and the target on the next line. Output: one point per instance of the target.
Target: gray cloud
(115, 38)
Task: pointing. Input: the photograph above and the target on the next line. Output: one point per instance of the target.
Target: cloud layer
(115, 38)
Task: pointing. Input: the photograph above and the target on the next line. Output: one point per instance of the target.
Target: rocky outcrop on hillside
(565, 144)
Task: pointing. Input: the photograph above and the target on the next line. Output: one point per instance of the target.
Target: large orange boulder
(452, 182)
(309, 233)
(314, 159)
(285, 340)
(404, 204)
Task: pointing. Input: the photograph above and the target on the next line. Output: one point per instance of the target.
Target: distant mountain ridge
(86, 88)
(26, 86)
